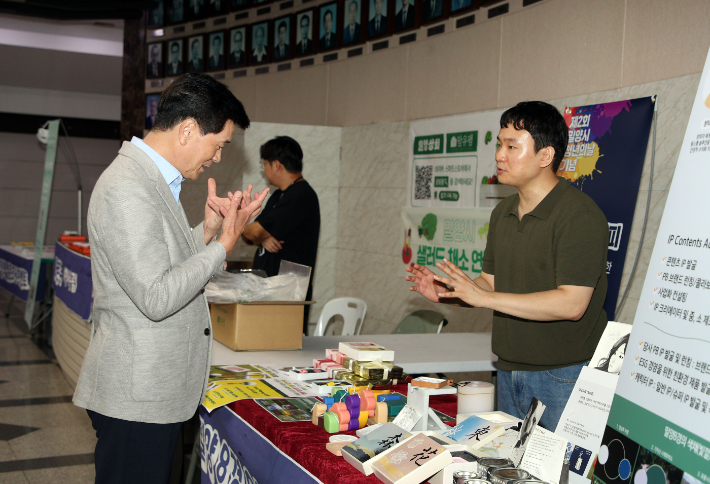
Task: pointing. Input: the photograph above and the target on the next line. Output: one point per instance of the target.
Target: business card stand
(418, 398)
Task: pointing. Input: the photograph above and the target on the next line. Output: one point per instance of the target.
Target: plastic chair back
(421, 321)
(351, 309)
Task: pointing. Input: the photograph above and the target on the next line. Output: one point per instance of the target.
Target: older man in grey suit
(146, 368)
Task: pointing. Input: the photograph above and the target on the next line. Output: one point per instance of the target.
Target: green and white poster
(452, 190)
(453, 162)
(658, 430)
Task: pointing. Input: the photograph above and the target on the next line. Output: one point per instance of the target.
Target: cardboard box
(267, 325)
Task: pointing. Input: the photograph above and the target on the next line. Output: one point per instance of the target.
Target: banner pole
(49, 160)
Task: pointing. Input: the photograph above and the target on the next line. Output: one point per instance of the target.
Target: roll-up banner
(453, 185)
(658, 430)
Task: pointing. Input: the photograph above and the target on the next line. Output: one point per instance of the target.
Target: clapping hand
(241, 209)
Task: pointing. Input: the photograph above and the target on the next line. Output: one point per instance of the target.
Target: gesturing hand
(215, 210)
(462, 286)
(425, 282)
(271, 244)
(242, 208)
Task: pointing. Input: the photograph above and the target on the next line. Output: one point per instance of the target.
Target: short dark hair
(286, 150)
(194, 41)
(174, 44)
(328, 12)
(282, 24)
(544, 123)
(308, 19)
(200, 97)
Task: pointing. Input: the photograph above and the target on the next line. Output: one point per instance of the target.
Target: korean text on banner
(604, 159)
(659, 424)
(459, 235)
(453, 162)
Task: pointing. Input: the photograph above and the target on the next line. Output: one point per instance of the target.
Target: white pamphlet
(544, 455)
(584, 419)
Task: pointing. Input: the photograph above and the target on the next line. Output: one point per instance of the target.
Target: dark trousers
(133, 452)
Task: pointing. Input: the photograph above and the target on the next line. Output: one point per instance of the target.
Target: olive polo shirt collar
(543, 209)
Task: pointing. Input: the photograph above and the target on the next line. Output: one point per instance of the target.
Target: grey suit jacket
(149, 356)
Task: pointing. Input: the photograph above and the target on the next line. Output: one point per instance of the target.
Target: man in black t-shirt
(289, 225)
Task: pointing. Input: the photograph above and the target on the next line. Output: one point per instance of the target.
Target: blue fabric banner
(72, 280)
(604, 158)
(233, 452)
(15, 273)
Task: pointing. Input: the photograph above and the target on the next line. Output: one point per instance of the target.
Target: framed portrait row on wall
(323, 28)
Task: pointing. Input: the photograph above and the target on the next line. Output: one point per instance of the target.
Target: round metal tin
(461, 476)
(505, 475)
(488, 464)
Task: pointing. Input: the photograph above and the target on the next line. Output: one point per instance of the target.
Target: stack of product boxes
(361, 364)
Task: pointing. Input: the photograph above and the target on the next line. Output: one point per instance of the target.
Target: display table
(242, 442)
(72, 308)
(16, 268)
(415, 353)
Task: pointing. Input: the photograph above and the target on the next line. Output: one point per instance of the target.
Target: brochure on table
(584, 418)
(659, 424)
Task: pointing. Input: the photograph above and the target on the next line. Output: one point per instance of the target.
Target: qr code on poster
(422, 182)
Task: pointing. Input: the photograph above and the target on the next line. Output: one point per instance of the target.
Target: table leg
(494, 380)
(194, 457)
(9, 306)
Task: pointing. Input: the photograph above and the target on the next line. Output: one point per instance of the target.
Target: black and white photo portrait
(282, 34)
(155, 61)
(304, 44)
(175, 57)
(459, 4)
(259, 42)
(351, 22)
(194, 55)
(155, 16)
(328, 21)
(404, 18)
(218, 7)
(215, 61)
(196, 9)
(151, 108)
(237, 52)
(378, 18)
(433, 9)
(612, 362)
(239, 5)
(176, 13)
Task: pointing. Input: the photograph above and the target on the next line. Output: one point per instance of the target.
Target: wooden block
(381, 412)
(367, 403)
(341, 411)
(318, 410)
(363, 419)
(330, 423)
(380, 392)
(352, 402)
(336, 447)
(431, 382)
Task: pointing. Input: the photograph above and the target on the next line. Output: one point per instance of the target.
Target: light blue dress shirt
(171, 174)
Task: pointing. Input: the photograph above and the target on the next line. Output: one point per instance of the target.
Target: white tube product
(475, 397)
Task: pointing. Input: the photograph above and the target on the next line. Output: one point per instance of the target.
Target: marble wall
(360, 175)
(373, 192)
(241, 166)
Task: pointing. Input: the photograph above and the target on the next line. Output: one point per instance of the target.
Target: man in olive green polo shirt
(544, 268)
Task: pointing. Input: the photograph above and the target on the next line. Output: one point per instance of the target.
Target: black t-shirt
(291, 216)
